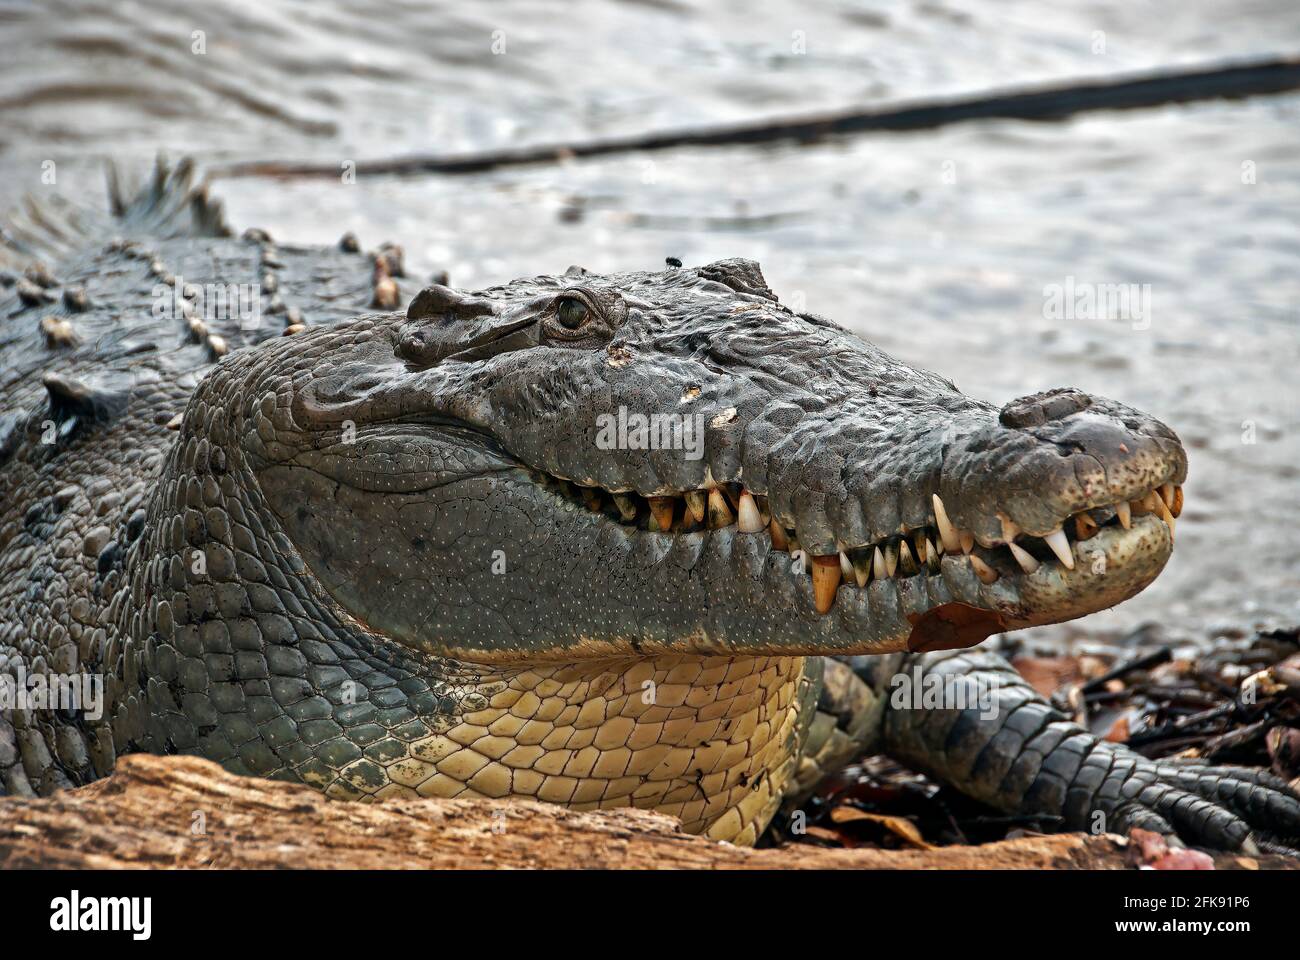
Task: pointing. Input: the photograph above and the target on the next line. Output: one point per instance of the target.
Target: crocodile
(650, 539)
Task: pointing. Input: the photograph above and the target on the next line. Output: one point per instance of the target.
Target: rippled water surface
(938, 245)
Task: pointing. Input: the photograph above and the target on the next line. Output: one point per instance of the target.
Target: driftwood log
(1048, 103)
(189, 813)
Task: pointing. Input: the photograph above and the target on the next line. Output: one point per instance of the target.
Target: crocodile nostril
(442, 302)
(418, 346)
(1038, 408)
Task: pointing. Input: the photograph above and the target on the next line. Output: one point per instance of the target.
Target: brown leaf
(1118, 732)
(829, 836)
(952, 626)
(899, 826)
(1048, 674)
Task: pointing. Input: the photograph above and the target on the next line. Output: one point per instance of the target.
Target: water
(938, 245)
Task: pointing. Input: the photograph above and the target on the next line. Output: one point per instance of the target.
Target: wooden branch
(1047, 103)
(187, 812)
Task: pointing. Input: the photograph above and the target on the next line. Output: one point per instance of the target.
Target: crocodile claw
(1220, 807)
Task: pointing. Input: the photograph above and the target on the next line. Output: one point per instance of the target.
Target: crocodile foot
(1222, 807)
(1008, 747)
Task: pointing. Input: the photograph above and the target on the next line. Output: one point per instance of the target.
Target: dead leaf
(899, 826)
(1118, 732)
(1048, 674)
(952, 627)
(830, 836)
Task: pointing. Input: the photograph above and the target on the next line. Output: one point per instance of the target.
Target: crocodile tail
(168, 204)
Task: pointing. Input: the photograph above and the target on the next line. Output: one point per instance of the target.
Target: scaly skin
(391, 555)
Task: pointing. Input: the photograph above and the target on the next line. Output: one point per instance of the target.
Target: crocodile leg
(843, 721)
(1009, 748)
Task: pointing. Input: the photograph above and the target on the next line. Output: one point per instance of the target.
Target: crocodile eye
(571, 312)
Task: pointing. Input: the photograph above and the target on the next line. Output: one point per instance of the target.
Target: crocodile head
(653, 463)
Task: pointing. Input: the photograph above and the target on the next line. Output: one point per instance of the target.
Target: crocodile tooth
(982, 570)
(1009, 529)
(1166, 491)
(626, 506)
(662, 508)
(764, 511)
(906, 562)
(1176, 508)
(1125, 514)
(878, 569)
(846, 566)
(697, 501)
(931, 555)
(946, 530)
(1085, 528)
(967, 541)
(918, 547)
(748, 517)
(1163, 510)
(1023, 557)
(1061, 547)
(891, 559)
(719, 513)
(826, 580)
(862, 568)
(591, 498)
(779, 540)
